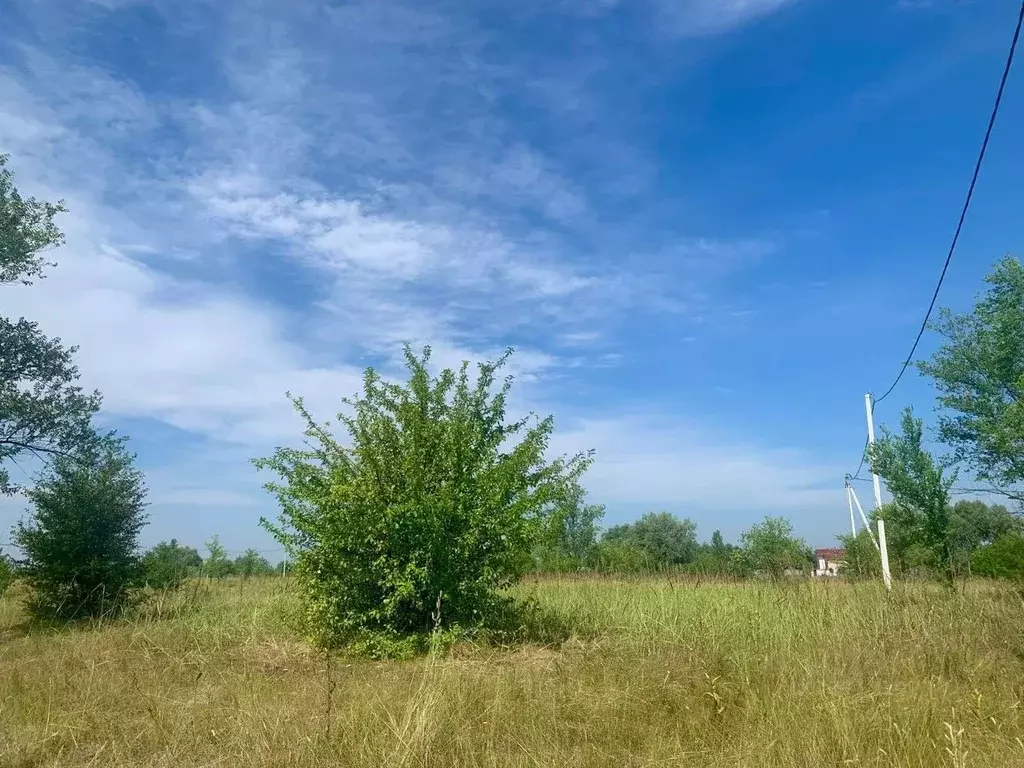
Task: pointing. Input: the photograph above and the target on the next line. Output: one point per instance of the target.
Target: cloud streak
(344, 179)
(712, 17)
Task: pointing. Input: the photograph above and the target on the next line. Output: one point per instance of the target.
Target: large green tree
(434, 506)
(663, 538)
(920, 515)
(974, 524)
(979, 374)
(43, 412)
(81, 543)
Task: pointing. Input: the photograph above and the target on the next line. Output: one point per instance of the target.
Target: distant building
(828, 560)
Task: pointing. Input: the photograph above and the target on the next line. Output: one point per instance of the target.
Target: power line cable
(863, 455)
(967, 203)
(959, 226)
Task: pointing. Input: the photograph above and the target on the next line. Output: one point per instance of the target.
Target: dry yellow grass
(661, 674)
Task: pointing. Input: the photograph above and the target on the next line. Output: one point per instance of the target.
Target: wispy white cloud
(200, 359)
(691, 18)
(711, 17)
(654, 460)
(347, 180)
(517, 176)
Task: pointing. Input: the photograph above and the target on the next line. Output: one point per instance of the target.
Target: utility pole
(884, 552)
(849, 502)
(869, 409)
(882, 549)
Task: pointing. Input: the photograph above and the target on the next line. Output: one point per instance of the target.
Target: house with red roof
(828, 560)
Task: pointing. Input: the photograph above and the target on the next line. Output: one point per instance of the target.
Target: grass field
(657, 674)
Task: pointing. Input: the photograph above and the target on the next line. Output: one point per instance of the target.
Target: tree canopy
(662, 538)
(168, 564)
(217, 564)
(81, 543)
(979, 374)
(572, 532)
(771, 548)
(252, 563)
(43, 412)
(434, 507)
(920, 512)
(27, 230)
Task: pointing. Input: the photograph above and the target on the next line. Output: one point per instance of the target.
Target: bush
(617, 556)
(571, 537)
(251, 563)
(217, 564)
(7, 573)
(81, 546)
(769, 548)
(663, 538)
(1002, 559)
(437, 505)
(862, 559)
(168, 564)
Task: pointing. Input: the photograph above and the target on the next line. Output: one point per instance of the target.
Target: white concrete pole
(882, 549)
(871, 441)
(886, 576)
(849, 502)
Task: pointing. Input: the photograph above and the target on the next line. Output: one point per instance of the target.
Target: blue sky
(707, 226)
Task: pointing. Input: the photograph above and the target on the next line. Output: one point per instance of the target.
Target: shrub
(862, 559)
(771, 549)
(571, 537)
(168, 564)
(618, 556)
(81, 546)
(1002, 559)
(663, 538)
(217, 564)
(252, 563)
(433, 510)
(7, 572)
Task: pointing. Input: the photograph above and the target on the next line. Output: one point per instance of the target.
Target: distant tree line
(169, 564)
(970, 538)
(660, 541)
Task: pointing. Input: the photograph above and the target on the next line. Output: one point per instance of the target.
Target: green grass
(657, 674)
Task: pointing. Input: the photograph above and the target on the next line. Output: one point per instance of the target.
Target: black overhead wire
(967, 204)
(863, 456)
(959, 226)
